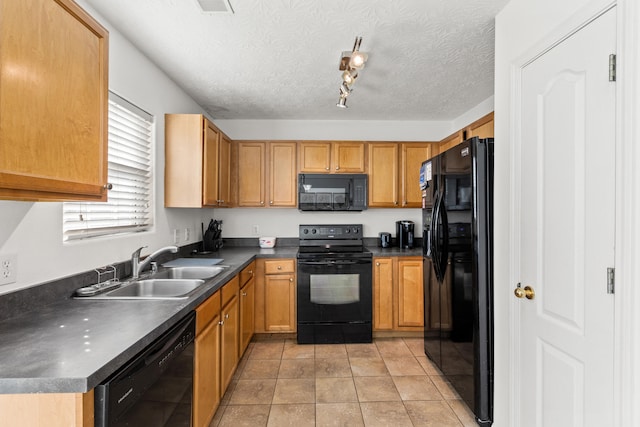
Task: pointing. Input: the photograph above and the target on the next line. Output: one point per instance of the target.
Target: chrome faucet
(137, 266)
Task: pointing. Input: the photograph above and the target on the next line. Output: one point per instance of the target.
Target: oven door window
(334, 289)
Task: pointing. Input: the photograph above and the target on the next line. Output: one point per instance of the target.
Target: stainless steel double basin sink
(171, 283)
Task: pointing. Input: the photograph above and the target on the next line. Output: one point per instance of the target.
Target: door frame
(627, 231)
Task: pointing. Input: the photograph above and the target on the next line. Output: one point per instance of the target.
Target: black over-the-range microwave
(332, 192)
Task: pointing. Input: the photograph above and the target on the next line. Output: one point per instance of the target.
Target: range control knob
(347, 230)
(305, 231)
(314, 231)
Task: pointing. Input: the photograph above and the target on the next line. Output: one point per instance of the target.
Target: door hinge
(612, 67)
(611, 280)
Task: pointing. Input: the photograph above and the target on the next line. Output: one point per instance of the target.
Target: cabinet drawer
(230, 290)
(247, 274)
(279, 266)
(206, 311)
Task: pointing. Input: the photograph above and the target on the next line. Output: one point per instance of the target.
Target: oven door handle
(334, 262)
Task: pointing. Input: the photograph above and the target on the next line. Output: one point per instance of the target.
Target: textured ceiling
(278, 59)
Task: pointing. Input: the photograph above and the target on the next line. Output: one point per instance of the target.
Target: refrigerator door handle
(444, 249)
(435, 230)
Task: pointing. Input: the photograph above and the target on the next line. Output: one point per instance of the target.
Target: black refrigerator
(457, 221)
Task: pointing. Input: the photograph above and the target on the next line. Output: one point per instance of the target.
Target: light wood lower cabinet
(275, 295)
(398, 294)
(230, 322)
(47, 409)
(247, 305)
(206, 374)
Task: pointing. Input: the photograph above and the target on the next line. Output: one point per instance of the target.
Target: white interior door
(566, 231)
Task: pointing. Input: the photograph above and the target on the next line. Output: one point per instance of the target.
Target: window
(129, 205)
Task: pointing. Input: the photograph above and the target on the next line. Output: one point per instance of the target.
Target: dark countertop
(71, 345)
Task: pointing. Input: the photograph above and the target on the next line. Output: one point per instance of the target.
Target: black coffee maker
(404, 234)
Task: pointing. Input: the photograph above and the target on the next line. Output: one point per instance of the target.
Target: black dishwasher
(154, 388)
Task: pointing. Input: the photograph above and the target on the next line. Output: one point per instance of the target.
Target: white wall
(521, 27)
(33, 231)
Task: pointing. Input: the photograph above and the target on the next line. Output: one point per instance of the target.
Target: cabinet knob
(377, 264)
(337, 168)
(291, 279)
(221, 323)
(226, 316)
(108, 186)
(250, 272)
(270, 202)
(262, 202)
(327, 168)
(244, 294)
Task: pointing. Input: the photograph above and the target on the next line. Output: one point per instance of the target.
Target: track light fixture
(350, 64)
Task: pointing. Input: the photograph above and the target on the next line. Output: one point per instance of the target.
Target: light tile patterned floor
(387, 383)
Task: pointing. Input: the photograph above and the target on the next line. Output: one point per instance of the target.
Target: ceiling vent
(215, 6)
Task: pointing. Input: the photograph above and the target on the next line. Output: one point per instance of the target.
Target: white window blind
(129, 205)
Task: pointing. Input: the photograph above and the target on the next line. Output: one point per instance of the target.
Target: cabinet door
(413, 154)
(382, 294)
(54, 103)
(410, 293)
(247, 304)
(451, 141)
(348, 157)
(206, 377)
(224, 173)
(482, 128)
(314, 157)
(230, 342)
(383, 175)
(251, 174)
(282, 174)
(210, 164)
(279, 306)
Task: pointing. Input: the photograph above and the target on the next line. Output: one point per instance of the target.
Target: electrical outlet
(255, 230)
(187, 234)
(8, 268)
(176, 236)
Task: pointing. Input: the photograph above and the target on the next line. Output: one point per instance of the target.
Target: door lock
(526, 292)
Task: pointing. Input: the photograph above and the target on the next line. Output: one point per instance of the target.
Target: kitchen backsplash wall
(241, 222)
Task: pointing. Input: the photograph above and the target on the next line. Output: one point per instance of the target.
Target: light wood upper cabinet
(283, 180)
(267, 174)
(251, 173)
(197, 169)
(482, 128)
(332, 157)
(383, 175)
(411, 157)
(53, 102)
(394, 170)
(225, 182)
(210, 165)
